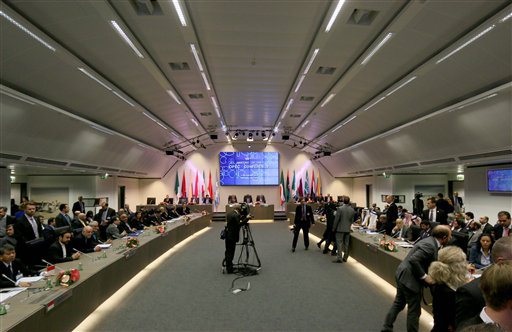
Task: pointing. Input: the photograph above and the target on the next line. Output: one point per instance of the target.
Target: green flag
(177, 184)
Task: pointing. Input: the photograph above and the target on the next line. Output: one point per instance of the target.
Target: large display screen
(249, 168)
(499, 180)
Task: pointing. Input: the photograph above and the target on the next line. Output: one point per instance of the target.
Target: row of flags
(289, 190)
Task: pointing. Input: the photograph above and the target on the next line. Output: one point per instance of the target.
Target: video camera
(244, 213)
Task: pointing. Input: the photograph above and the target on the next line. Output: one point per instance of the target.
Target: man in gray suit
(342, 222)
(411, 276)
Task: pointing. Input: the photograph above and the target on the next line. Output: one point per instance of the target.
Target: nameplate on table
(58, 300)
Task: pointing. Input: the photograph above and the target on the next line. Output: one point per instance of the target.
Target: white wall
(207, 160)
(380, 186)
(77, 185)
(479, 200)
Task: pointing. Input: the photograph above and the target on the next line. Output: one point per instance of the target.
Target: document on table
(105, 245)
(30, 279)
(404, 244)
(7, 293)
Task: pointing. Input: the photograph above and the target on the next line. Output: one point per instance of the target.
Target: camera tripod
(247, 264)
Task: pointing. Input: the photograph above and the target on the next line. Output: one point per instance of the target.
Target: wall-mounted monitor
(249, 168)
(499, 180)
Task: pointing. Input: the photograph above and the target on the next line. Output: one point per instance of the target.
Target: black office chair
(183, 200)
(248, 199)
(232, 199)
(261, 198)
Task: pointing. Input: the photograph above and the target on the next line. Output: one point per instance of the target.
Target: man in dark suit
(61, 250)
(233, 219)
(103, 217)
(10, 267)
(496, 284)
(443, 204)
(391, 214)
(5, 220)
(342, 222)
(84, 242)
(469, 299)
(183, 210)
(303, 219)
(503, 227)
(433, 213)
(63, 219)
(486, 227)
(457, 202)
(27, 227)
(411, 277)
(79, 205)
(207, 199)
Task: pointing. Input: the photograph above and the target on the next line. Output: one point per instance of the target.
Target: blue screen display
(249, 168)
(499, 180)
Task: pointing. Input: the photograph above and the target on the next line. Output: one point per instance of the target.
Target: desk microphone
(6, 277)
(82, 253)
(52, 264)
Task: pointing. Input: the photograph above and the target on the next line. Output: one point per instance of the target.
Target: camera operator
(235, 219)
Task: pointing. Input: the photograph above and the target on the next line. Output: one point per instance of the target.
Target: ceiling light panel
(26, 30)
(126, 39)
(179, 11)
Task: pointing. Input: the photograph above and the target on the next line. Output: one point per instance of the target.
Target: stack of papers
(7, 293)
(404, 244)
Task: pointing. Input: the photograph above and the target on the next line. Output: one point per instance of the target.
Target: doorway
(121, 197)
(369, 195)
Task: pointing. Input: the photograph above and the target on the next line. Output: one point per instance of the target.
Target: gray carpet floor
(301, 291)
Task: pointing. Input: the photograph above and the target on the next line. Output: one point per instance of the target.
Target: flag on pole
(294, 193)
(318, 190)
(288, 186)
(183, 185)
(177, 185)
(312, 194)
(210, 187)
(217, 191)
(306, 184)
(196, 186)
(281, 188)
(299, 189)
(203, 184)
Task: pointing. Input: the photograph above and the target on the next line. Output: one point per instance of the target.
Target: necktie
(34, 227)
(505, 232)
(11, 271)
(431, 217)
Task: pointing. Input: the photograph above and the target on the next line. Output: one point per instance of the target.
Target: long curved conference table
(63, 308)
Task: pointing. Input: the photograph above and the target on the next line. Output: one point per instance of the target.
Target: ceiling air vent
(46, 161)
(9, 156)
(326, 70)
(146, 7)
(406, 165)
(205, 113)
(109, 169)
(307, 98)
(295, 115)
(487, 155)
(362, 17)
(83, 166)
(439, 161)
(196, 96)
(179, 66)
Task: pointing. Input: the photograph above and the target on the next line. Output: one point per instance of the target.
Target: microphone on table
(82, 253)
(48, 263)
(6, 277)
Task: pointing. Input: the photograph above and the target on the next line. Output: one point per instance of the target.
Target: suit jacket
(469, 301)
(110, 213)
(498, 232)
(443, 308)
(309, 216)
(391, 216)
(182, 211)
(488, 229)
(17, 267)
(62, 221)
(80, 242)
(233, 226)
(3, 224)
(77, 206)
(343, 219)
(113, 232)
(416, 264)
(458, 198)
(56, 255)
(207, 200)
(23, 229)
(476, 320)
(475, 257)
(441, 216)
